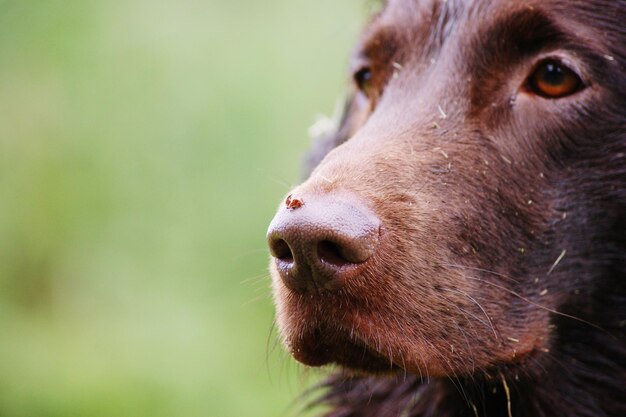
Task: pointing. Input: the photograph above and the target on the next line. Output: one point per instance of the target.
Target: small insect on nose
(319, 242)
(293, 202)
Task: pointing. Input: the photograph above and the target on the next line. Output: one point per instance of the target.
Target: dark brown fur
(501, 264)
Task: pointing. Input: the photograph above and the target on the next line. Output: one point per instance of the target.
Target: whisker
(456, 382)
(479, 306)
(267, 347)
(251, 252)
(425, 369)
(257, 298)
(405, 374)
(255, 278)
(551, 310)
(468, 351)
(276, 179)
(481, 270)
(467, 316)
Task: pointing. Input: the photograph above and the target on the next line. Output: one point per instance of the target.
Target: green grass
(144, 147)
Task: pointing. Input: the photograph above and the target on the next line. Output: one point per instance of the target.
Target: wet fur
(499, 286)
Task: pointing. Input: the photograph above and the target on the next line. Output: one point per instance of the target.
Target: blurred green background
(144, 147)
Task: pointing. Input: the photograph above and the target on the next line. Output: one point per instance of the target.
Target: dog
(458, 245)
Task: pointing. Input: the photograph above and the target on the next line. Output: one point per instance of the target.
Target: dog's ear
(328, 133)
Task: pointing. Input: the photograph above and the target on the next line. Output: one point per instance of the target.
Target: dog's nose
(319, 242)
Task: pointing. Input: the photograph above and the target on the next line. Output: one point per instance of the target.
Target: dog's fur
(498, 288)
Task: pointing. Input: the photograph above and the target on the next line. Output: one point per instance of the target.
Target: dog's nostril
(331, 253)
(281, 250)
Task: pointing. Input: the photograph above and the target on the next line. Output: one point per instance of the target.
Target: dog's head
(473, 193)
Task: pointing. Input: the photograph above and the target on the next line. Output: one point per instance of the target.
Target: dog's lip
(343, 348)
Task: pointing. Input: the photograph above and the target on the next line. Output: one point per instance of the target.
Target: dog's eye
(363, 80)
(552, 79)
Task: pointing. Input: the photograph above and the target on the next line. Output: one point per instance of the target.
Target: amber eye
(552, 79)
(363, 80)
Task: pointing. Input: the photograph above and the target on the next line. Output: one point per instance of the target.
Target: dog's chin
(365, 345)
(357, 357)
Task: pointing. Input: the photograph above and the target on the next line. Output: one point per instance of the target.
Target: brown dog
(460, 247)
